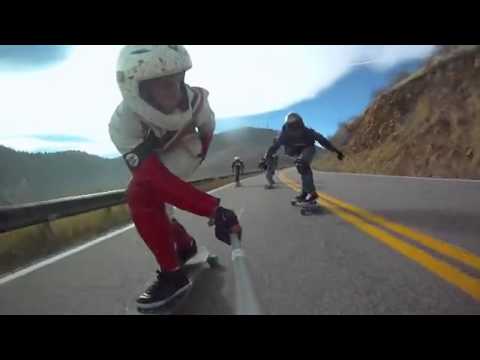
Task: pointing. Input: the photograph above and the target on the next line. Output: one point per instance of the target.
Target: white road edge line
(60, 256)
(55, 258)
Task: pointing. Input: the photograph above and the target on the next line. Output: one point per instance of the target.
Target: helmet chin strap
(184, 102)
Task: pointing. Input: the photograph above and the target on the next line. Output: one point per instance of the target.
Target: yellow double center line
(357, 216)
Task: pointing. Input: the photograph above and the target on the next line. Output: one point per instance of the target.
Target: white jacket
(127, 130)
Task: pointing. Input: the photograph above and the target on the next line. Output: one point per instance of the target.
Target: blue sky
(58, 98)
(32, 57)
(347, 97)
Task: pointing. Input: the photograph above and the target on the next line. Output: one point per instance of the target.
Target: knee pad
(303, 167)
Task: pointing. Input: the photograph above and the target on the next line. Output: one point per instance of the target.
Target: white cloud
(103, 148)
(382, 57)
(78, 97)
(245, 80)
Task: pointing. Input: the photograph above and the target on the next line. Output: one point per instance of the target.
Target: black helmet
(293, 121)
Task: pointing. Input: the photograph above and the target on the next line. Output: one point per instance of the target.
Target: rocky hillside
(427, 124)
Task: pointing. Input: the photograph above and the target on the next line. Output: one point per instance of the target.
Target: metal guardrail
(16, 217)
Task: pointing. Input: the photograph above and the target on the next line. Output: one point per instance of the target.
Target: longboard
(308, 208)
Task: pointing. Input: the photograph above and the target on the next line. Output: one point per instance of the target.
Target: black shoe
(165, 288)
(311, 198)
(186, 255)
(301, 197)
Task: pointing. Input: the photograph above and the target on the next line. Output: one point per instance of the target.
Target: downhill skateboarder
(163, 129)
(299, 142)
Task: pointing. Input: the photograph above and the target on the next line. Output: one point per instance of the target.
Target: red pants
(151, 187)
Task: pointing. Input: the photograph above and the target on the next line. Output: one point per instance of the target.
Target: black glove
(202, 157)
(262, 164)
(340, 155)
(226, 222)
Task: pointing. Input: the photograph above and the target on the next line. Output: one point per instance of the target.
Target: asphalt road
(419, 255)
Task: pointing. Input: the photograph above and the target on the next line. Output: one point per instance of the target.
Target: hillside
(28, 177)
(248, 143)
(427, 124)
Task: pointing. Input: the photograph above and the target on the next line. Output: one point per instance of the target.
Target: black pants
(307, 156)
(269, 173)
(237, 175)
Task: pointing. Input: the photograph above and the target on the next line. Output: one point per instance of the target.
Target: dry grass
(23, 246)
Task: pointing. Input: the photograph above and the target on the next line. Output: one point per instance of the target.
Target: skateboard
(308, 208)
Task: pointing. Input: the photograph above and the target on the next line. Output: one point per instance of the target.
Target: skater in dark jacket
(299, 142)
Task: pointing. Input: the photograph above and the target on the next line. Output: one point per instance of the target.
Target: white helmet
(236, 158)
(137, 63)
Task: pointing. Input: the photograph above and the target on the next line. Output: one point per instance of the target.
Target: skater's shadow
(316, 213)
(206, 296)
